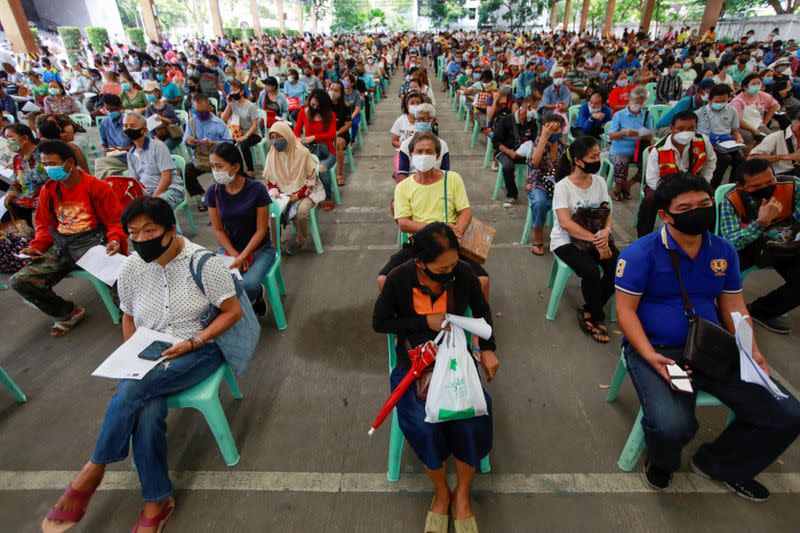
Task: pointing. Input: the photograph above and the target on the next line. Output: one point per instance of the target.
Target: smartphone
(153, 352)
(679, 379)
(22, 256)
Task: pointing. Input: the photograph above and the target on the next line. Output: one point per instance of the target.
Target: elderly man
(629, 125)
(425, 115)
(203, 131)
(556, 97)
(112, 138)
(149, 161)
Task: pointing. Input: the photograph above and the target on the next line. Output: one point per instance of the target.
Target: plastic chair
(719, 197)
(184, 205)
(313, 220)
(651, 93)
(260, 151)
(9, 118)
(103, 290)
(520, 169)
(363, 123)
(487, 155)
(337, 198)
(607, 170)
(213, 101)
(526, 230)
(182, 115)
(262, 121)
(635, 444)
(273, 281)
(6, 380)
(83, 120)
(476, 129)
(205, 398)
(559, 274)
(396, 437)
(348, 157)
(98, 119)
(658, 110)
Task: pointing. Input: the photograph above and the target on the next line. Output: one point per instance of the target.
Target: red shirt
(316, 128)
(619, 96)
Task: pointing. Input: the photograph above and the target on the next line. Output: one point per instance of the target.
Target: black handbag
(710, 350)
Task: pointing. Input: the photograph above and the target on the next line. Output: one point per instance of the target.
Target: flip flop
(467, 525)
(67, 519)
(600, 329)
(62, 327)
(435, 522)
(539, 245)
(583, 320)
(157, 521)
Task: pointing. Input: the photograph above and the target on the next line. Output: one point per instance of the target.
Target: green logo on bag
(453, 364)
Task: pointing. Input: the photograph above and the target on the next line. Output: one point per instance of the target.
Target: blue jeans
(254, 277)
(137, 415)
(540, 205)
(172, 143)
(762, 430)
(327, 176)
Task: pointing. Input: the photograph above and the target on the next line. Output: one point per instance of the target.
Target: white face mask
(635, 108)
(595, 109)
(558, 81)
(413, 109)
(222, 177)
(530, 115)
(683, 137)
(423, 162)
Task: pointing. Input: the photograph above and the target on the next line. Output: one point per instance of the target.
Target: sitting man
(689, 103)
(721, 123)
(683, 150)
(76, 212)
(149, 161)
(781, 150)
(510, 133)
(203, 131)
(112, 138)
(762, 209)
(651, 315)
(425, 116)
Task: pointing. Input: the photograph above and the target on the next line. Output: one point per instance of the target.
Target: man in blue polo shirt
(651, 315)
(113, 140)
(628, 63)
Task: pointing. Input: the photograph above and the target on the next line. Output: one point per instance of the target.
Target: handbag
(710, 350)
(70, 248)
(175, 131)
(14, 236)
(201, 154)
(477, 239)
(592, 219)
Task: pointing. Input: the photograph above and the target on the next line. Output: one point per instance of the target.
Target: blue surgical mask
(554, 137)
(114, 115)
(150, 98)
(160, 77)
(717, 106)
(56, 173)
(126, 86)
(422, 127)
(603, 75)
(767, 80)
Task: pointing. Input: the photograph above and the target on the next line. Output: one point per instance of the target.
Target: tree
(347, 17)
(129, 12)
(446, 12)
(487, 12)
(172, 13)
(376, 18)
(197, 11)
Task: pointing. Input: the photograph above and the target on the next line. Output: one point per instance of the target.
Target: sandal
(60, 520)
(537, 248)
(585, 322)
(467, 525)
(157, 521)
(435, 522)
(599, 332)
(62, 327)
(617, 196)
(340, 180)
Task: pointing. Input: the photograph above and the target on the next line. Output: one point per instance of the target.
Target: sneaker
(509, 202)
(494, 165)
(260, 307)
(778, 324)
(656, 478)
(750, 490)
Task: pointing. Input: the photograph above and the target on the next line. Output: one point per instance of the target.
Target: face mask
(683, 137)
(280, 144)
(718, 106)
(622, 83)
(422, 127)
(603, 75)
(413, 109)
(505, 89)
(554, 137)
(530, 115)
(222, 177)
(55, 91)
(767, 80)
(126, 86)
(468, 72)
(673, 72)
(558, 81)
(346, 84)
(704, 98)
(114, 115)
(236, 96)
(476, 75)
(203, 115)
(591, 168)
(160, 77)
(635, 108)
(56, 173)
(151, 249)
(594, 109)
(423, 163)
(687, 66)
(13, 146)
(754, 89)
(443, 278)
(695, 222)
(543, 74)
(150, 98)
(132, 134)
(764, 193)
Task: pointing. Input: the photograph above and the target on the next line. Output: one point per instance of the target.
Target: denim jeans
(137, 415)
(254, 277)
(325, 176)
(540, 205)
(762, 430)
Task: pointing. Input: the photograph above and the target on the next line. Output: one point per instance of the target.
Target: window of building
(471, 13)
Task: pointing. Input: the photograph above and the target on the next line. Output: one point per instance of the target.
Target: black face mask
(695, 222)
(132, 134)
(591, 168)
(443, 278)
(151, 249)
(236, 96)
(764, 193)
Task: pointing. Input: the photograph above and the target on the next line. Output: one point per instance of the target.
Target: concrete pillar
(609, 17)
(279, 12)
(584, 15)
(299, 11)
(567, 9)
(647, 17)
(216, 18)
(15, 25)
(553, 15)
(710, 16)
(151, 27)
(256, 18)
(313, 20)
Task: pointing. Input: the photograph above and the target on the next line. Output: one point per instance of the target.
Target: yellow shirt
(425, 203)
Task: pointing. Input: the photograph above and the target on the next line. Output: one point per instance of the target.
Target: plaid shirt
(8, 105)
(730, 226)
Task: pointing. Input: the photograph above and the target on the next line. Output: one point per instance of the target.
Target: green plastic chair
(348, 157)
(487, 155)
(520, 168)
(396, 437)
(362, 125)
(559, 274)
(205, 398)
(313, 227)
(467, 118)
(273, 280)
(213, 101)
(607, 170)
(402, 238)
(83, 120)
(3, 286)
(651, 93)
(635, 444)
(476, 129)
(184, 205)
(526, 230)
(337, 198)
(103, 290)
(658, 110)
(259, 152)
(6, 380)
(182, 115)
(98, 119)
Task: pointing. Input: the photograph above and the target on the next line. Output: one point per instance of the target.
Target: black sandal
(600, 330)
(539, 245)
(585, 322)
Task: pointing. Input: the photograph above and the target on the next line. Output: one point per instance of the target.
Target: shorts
(405, 255)
(346, 137)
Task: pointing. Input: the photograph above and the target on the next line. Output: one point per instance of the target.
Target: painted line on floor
(385, 247)
(248, 481)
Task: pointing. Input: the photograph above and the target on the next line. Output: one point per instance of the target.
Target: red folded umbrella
(421, 358)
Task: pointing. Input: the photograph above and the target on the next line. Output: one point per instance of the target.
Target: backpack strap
(446, 211)
(197, 271)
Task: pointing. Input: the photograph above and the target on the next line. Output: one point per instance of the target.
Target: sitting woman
(316, 129)
(133, 98)
(295, 90)
(136, 417)
(593, 115)
(542, 161)
(28, 173)
(156, 105)
(58, 101)
(273, 102)
(239, 213)
(343, 113)
(412, 305)
(586, 251)
(49, 127)
(292, 170)
(618, 99)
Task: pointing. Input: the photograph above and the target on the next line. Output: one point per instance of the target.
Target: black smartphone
(153, 352)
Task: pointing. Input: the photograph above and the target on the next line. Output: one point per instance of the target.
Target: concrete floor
(312, 390)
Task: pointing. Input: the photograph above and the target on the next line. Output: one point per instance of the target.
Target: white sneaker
(494, 165)
(509, 202)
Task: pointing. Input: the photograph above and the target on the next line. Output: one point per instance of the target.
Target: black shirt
(343, 114)
(504, 132)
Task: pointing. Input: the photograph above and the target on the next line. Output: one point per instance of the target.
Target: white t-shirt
(403, 127)
(567, 195)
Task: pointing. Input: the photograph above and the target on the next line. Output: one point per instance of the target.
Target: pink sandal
(157, 521)
(67, 519)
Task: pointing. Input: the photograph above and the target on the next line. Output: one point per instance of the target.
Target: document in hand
(728, 146)
(99, 264)
(477, 326)
(749, 369)
(282, 201)
(125, 363)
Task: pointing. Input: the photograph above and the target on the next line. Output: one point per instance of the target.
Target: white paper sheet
(153, 122)
(228, 260)
(282, 201)
(729, 145)
(3, 206)
(644, 132)
(749, 370)
(99, 264)
(125, 363)
(477, 326)
(6, 155)
(524, 149)
(30, 107)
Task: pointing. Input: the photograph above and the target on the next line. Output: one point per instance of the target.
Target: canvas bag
(201, 154)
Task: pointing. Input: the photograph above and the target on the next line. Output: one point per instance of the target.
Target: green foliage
(318, 7)
(97, 36)
(128, 12)
(70, 37)
(445, 12)
(233, 33)
(347, 17)
(247, 33)
(172, 13)
(136, 37)
(35, 33)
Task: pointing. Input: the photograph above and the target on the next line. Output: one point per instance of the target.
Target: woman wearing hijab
(292, 170)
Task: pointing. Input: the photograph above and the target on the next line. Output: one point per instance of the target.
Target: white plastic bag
(455, 390)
